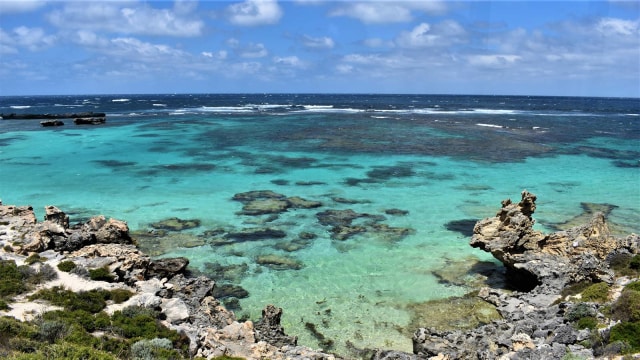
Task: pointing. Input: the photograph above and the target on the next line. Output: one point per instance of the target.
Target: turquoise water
(437, 166)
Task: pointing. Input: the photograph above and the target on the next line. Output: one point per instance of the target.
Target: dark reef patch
(115, 163)
(175, 224)
(588, 210)
(462, 226)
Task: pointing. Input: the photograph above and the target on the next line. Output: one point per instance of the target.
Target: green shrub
(8, 248)
(11, 279)
(627, 306)
(66, 265)
(135, 322)
(51, 331)
(628, 333)
(67, 350)
(598, 292)
(635, 286)
(635, 262)
(75, 317)
(156, 348)
(588, 322)
(120, 295)
(34, 258)
(44, 273)
(579, 311)
(92, 301)
(101, 274)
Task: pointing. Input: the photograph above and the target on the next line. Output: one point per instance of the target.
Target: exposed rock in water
(540, 265)
(167, 267)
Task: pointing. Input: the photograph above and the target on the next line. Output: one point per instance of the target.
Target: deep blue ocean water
(443, 161)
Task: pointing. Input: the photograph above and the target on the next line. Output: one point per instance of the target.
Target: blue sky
(576, 48)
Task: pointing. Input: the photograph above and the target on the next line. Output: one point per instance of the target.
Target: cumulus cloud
(25, 37)
(425, 35)
(135, 18)
(254, 12)
(19, 6)
(136, 49)
(317, 42)
(291, 61)
(373, 12)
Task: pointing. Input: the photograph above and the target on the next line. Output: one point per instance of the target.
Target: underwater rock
(457, 313)
(300, 203)
(279, 262)
(337, 217)
(253, 234)
(257, 195)
(265, 206)
(396, 212)
(229, 290)
(462, 226)
(232, 273)
(175, 224)
(588, 211)
(390, 233)
(260, 202)
(344, 232)
(159, 242)
(295, 245)
(342, 200)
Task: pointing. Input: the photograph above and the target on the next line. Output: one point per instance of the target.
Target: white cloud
(613, 27)
(318, 43)
(134, 50)
(425, 35)
(493, 61)
(378, 12)
(254, 12)
(291, 61)
(19, 6)
(220, 55)
(137, 19)
(252, 51)
(25, 37)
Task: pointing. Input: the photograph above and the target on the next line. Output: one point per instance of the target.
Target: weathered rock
(167, 267)
(90, 120)
(51, 123)
(540, 265)
(556, 259)
(265, 206)
(124, 260)
(268, 328)
(175, 310)
(55, 215)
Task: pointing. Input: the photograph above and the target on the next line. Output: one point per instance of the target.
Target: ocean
(348, 211)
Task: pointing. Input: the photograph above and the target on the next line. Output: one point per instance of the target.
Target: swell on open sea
(398, 182)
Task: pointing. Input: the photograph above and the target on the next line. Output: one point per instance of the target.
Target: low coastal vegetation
(81, 329)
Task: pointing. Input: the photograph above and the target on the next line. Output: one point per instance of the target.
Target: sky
(566, 48)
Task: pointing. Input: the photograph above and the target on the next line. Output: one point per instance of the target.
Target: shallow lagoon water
(436, 164)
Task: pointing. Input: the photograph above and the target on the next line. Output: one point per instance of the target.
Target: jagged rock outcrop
(539, 265)
(26, 235)
(269, 329)
(533, 258)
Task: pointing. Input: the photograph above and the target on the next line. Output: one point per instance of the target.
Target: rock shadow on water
(115, 164)
(472, 273)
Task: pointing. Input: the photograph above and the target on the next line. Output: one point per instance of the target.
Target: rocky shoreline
(540, 315)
